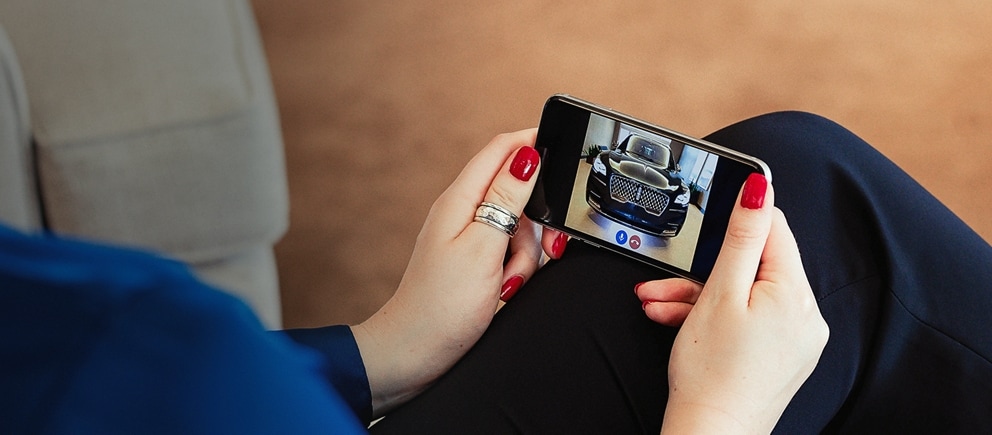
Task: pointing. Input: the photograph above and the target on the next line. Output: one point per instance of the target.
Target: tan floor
(383, 101)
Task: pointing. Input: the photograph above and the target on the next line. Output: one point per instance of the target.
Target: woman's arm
(456, 276)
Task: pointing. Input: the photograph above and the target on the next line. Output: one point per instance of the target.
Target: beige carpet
(383, 101)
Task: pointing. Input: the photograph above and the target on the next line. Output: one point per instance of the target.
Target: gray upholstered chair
(149, 124)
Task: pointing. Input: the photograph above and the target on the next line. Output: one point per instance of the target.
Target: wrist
(401, 361)
(696, 418)
(390, 366)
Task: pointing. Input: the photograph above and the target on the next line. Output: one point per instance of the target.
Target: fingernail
(558, 247)
(510, 287)
(644, 305)
(637, 287)
(525, 163)
(755, 188)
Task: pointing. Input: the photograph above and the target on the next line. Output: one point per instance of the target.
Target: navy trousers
(904, 284)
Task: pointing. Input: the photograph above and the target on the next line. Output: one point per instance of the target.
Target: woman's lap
(901, 281)
(572, 346)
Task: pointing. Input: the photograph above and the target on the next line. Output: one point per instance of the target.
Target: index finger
(747, 232)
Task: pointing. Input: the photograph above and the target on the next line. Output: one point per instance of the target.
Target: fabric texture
(341, 353)
(102, 340)
(903, 284)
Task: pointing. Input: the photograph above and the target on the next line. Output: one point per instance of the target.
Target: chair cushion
(155, 122)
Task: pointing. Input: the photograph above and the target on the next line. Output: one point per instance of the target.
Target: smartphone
(634, 188)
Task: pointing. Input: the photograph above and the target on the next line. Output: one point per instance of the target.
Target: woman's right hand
(751, 336)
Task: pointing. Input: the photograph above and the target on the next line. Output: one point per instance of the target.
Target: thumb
(509, 191)
(747, 232)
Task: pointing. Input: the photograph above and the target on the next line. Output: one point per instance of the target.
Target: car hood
(644, 172)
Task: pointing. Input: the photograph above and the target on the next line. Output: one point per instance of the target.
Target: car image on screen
(637, 183)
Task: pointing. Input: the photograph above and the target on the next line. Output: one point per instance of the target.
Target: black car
(638, 184)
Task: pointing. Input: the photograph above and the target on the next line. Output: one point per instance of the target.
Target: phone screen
(637, 189)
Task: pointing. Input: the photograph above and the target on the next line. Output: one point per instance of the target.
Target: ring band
(497, 217)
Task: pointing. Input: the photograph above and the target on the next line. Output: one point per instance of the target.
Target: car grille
(626, 190)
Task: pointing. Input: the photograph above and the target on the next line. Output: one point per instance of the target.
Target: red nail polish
(558, 247)
(525, 163)
(644, 305)
(510, 287)
(755, 188)
(637, 287)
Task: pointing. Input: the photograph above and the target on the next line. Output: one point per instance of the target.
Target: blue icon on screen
(622, 237)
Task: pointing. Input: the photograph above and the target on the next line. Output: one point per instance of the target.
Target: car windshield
(651, 152)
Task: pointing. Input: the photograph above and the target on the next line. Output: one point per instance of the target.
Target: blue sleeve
(344, 367)
(104, 340)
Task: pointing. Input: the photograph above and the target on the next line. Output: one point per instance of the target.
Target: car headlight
(683, 199)
(598, 166)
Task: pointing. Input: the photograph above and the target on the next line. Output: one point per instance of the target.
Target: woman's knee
(801, 147)
(795, 136)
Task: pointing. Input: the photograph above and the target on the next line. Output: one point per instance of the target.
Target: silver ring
(497, 217)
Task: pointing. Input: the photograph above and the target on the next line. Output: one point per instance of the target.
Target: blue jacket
(96, 339)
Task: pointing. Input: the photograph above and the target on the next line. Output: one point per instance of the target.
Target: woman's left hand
(456, 276)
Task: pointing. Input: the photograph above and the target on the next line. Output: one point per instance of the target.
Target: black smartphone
(635, 188)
